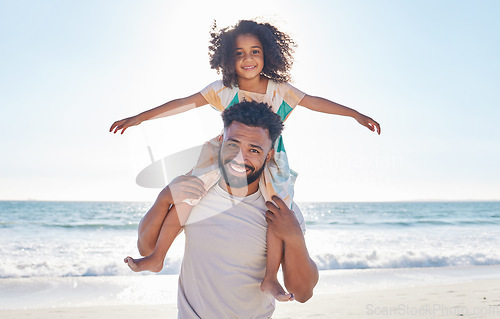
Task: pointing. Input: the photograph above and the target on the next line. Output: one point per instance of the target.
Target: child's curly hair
(277, 47)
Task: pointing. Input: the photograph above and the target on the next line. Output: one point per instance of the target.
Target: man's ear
(270, 155)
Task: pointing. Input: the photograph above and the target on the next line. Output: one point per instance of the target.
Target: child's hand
(370, 123)
(124, 124)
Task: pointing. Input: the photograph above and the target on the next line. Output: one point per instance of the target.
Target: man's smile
(237, 168)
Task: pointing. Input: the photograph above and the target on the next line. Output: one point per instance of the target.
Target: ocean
(66, 254)
(74, 239)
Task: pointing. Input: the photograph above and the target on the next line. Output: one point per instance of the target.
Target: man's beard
(239, 182)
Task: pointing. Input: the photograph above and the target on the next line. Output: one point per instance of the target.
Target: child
(255, 61)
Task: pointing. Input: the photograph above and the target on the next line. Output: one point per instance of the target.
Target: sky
(427, 71)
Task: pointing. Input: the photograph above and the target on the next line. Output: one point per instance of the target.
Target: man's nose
(239, 158)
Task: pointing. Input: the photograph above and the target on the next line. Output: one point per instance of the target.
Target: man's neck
(240, 192)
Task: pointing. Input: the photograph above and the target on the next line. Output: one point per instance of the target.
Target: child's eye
(239, 53)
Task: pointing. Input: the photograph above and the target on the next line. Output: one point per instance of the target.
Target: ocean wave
(404, 224)
(327, 261)
(83, 226)
(93, 226)
(405, 260)
(51, 268)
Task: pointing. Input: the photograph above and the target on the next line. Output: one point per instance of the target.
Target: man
(225, 251)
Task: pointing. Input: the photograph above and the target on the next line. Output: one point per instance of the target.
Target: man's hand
(282, 220)
(181, 188)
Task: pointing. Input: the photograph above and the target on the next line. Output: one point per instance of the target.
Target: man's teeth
(239, 169)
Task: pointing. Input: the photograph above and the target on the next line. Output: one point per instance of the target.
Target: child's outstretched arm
(170, 108)
(326, 106)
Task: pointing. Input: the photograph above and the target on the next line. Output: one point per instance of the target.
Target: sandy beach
(475, 295)
(476, 299)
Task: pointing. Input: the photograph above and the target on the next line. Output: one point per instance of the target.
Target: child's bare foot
(273, 287)
(142, 264)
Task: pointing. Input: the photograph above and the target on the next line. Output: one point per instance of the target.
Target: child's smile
(249, 57)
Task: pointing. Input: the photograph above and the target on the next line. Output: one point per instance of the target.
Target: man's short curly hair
(254, 114)
(277, 46)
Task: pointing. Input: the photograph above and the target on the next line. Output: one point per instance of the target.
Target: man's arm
(299, 270)
(179, 189)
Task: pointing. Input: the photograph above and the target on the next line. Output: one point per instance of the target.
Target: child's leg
(170, 228)
(270, 283)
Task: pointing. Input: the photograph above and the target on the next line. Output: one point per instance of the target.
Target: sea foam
(73, 239)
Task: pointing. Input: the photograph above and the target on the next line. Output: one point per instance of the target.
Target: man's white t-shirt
(225, 258)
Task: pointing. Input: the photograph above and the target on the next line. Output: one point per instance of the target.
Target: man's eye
(253, 150)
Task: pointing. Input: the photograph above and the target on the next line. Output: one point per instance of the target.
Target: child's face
(249, 56)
